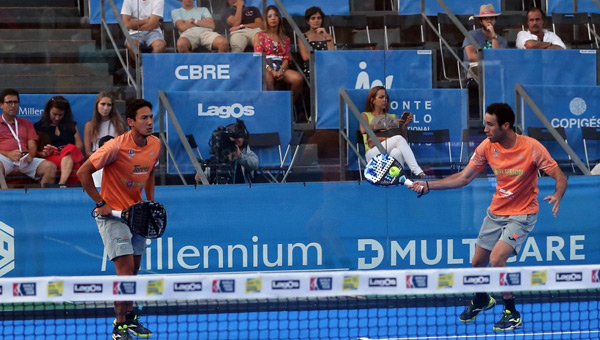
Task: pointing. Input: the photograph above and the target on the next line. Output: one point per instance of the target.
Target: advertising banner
(293, 227)
(31, 106)
(457, 7)
(361, 70)
(503, 68)
(432, 109)
(200, 113)
(570, 107)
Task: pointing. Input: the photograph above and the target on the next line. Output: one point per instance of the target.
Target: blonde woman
(106, 121)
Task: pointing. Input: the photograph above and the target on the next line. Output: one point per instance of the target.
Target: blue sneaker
(471, 312)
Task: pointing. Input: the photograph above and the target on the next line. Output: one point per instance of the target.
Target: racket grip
(116, 213)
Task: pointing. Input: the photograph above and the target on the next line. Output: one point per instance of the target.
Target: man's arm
(87, 182)
(466, 176)
(236, 19)
(559, 190)
(149, 187)
(152, 23)
(133, 24)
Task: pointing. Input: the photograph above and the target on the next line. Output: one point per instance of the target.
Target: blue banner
(200, 72)
(570, 107)
(199, 113)
(395, 69)
(566, 6)
(432, 109)
(503, 68)
(82, 105)
(432, 8)
(329, 7)
(297, 226)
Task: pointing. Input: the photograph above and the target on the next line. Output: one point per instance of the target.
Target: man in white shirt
(142, 18)
(196, 25)
(537, 37)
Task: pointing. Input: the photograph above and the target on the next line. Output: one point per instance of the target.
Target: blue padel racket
(385, 170)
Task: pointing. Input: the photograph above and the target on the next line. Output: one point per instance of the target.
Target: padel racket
(385, 170)
(147, 219)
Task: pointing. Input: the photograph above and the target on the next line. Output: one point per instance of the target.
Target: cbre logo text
(7, 248)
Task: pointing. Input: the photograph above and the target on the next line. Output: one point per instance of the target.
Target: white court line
(499, 335)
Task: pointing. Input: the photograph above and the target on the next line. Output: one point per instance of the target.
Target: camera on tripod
(222, 146)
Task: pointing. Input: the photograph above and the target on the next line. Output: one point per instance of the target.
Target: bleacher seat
(574, 29)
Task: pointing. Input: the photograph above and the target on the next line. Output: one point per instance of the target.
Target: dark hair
(312, 11)
(239, 130)
(503, 113)
(59, 102)
(133, 105)
(8, 92)
(372, 94)
(533, 9)
(104, 140)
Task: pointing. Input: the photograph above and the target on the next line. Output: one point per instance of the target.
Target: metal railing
(104, 30)
(165, 106)
(522, 96)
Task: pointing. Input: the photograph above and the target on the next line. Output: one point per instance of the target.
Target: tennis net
(560, 302)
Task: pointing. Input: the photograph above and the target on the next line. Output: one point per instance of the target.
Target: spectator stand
(574, 29)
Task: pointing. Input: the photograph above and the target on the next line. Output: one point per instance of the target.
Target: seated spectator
(18, 143)
(143, 19)
(276, 45)
(375, 114)
(536, 36)
(485, 36)
(243, 22)
(317, 36)
(196, 25)
(106, 121)
(60, 141)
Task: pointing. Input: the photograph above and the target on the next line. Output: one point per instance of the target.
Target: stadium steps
(46, 46)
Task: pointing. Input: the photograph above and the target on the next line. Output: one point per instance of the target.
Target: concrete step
(74, 82)
(38, 12)
(47, 46)
(38, 3)
(45, 34)
(81, 69)
(48, 22)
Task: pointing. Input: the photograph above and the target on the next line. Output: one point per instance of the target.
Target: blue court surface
(565, 320)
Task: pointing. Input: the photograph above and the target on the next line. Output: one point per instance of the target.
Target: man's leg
(184, 45)
(46, 170)
(124, 265)
(511, 318)
(482, 301)
(220, 44)
(158, 46)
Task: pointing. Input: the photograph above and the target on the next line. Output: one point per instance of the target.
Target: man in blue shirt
(485, 36)
(196, 25)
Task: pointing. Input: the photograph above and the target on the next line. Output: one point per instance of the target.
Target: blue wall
(293, 227)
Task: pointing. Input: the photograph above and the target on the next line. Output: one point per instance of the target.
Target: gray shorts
(118, 239)
(28, 169)
(512, 229)
(146, 38)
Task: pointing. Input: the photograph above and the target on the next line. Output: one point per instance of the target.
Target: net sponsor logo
(155, 287)
(539, 278)
(254, 285)
(7, 251)
(24, 289)
(87, 288)
(285, 284)
(476, 280)
(510, 279)
(124, 287)
(569, 277)
(321, 283)
(445, 281)
(416, 281)
(383, 282)
(595, 276)
(187, 287)
(223, 286)
(56, 288)
(350, 282)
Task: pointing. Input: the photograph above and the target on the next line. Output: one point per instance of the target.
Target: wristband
(100, 204)
(196, 22)
(242, 26)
